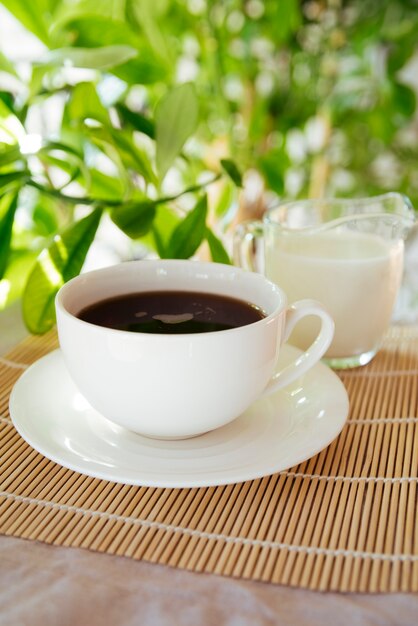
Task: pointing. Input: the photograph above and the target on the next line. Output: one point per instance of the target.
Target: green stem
(55, 193)
(191, 189)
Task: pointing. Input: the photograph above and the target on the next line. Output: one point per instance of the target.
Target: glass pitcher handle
(248, 246)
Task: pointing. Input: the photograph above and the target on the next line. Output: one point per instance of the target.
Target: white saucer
(274, 434)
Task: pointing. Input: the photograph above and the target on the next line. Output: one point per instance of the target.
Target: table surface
(53, 585)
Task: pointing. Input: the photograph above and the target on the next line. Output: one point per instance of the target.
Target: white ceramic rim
(113, 270)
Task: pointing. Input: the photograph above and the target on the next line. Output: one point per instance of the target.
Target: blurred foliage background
(158, 124)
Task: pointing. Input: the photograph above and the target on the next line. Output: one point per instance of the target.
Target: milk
(356, 275)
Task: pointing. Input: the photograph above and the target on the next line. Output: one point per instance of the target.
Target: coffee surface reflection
(171, 312)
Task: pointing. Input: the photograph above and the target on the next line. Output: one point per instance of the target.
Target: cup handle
(248, 243)
(314, 353)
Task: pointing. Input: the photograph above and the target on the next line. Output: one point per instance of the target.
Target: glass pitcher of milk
(346, 253)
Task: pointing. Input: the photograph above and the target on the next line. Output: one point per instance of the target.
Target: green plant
(107, 161)
(144, 106)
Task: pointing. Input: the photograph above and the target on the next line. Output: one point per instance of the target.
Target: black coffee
(171, 312)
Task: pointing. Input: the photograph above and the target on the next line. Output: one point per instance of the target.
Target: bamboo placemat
(344, 520)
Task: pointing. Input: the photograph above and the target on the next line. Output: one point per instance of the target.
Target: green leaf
(273, 165)
(7, 101)
(144, 70)
(404, 99)
(36, 82)
(7, 66)
(63, 147)
(164, 223)
(133, 156)
(104, 187)
(119, 146)
(285, 18)
(190, 232)
(148, 15)
(176, 119)
(11, 129)
(103, 58)
(93, 31)
(71, 161)
(226, 205)
(6, 227)
(11, 180)
(66, 165)
(85, 103)
(112, 9)
(18, 268)
(233, 172)
(30, 16)
(138, 121)
(398, 55)
(45, 217)
(217, 250)
(6, 108)
(56, 264)
(134, 218)
(9, 154)
(101, 138)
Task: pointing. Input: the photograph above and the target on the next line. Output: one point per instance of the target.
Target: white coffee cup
(180, 385)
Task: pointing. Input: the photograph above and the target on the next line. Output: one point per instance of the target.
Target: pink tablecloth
(51, 586)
